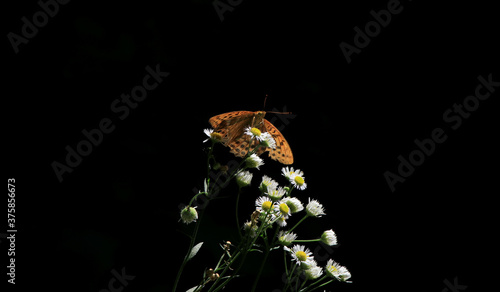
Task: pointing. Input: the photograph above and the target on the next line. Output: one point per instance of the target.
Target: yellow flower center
(267, 205)
(302, 256)
(255, 131)
(299, 180)
(216, 136)
(333, 268)
(284, 209)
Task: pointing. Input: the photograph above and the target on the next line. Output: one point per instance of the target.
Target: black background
(119, 207)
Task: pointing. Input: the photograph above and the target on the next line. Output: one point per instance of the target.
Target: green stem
(261, 268)
(301, 286)
(297, 282)
(304, 218)
(268, 250)
(317, 287)
(195, 232)
(241, 246)
(246, 248)
(222, 275)
(220, 261)
(307, 240)
(320, 279)
(290, 189)
(238, 227)
(289, 278)
(209, 194)
(195, 197)
(226, 182)
(201, 285)
(210, 157)
(191, 244)
(286, 266)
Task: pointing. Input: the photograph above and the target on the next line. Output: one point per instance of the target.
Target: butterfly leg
(256, 123)
(253, 122)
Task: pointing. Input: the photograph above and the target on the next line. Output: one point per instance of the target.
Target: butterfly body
(232, 126)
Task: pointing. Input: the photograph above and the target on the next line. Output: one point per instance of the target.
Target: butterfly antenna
(265, 99)
(280, 113)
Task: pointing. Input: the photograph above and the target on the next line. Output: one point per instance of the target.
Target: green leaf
(193, 289)
(195, 250)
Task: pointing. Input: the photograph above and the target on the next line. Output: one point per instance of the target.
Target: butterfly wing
(283, 152)
(230, 125)
(241, 146)
(227, 119)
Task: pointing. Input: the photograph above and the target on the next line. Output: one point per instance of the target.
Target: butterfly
(232, 126)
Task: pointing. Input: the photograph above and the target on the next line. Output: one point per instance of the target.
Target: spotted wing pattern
(232, 125)
(283, 152)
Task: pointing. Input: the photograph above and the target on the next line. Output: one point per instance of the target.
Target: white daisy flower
(268, 140)
(294, 204)
(296, 177)
(243, 178)
(286, 238)
(208, 132)
(298, 172)
(264, 204)
(189, 215)
(313, 272)
(254, 161)
(344, 275)
(288, 172)
(275, 193)
(310, 263)
(214, 136)
(283, 210)
(298, 182)
(254, 133)
(314, 208)
(337, 271)
(329, 237)
(281, 221)
(300, 254)
(267, 183)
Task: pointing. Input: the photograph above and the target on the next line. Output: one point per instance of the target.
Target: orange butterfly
(232, 126)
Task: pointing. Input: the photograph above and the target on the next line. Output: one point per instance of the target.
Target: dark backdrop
(350, 121)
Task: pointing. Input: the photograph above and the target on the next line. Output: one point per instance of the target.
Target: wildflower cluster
(268, 228)
(276, 205)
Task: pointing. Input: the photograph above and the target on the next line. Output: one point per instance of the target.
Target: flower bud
(189, 214)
